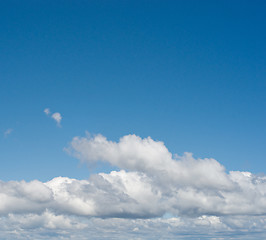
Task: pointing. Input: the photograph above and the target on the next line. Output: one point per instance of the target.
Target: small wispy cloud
(8, 132)
(47, 111)
(56, 116)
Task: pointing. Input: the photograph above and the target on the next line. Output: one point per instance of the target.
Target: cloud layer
(178, 191)
(51, 226)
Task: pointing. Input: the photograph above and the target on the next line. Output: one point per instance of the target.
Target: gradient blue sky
(188, 73)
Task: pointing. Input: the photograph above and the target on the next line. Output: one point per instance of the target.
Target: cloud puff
(56, 116)
(47, 111)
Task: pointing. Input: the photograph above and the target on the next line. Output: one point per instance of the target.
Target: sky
(156, 108)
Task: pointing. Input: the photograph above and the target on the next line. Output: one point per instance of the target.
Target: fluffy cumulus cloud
(154, 193)
(180, 185)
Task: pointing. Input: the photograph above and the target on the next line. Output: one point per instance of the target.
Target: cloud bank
(153, 189)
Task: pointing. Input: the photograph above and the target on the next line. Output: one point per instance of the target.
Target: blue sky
(188, 73)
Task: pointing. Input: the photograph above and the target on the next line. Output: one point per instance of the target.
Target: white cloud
(47, 111)
(8, 132)
(183, 185)
(56, 116)
(197, 195)
(49, 225)
(153, 184)
(152, 158)
(131, 195)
